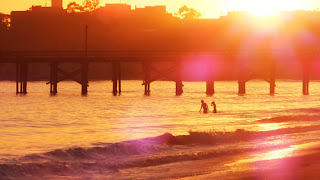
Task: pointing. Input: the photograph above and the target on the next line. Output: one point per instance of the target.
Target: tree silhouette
(188, 13)
(88, 6)
(74, 7)
(4, 22)
(91, 5)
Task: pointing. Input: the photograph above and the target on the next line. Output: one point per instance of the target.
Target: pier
(147, 60)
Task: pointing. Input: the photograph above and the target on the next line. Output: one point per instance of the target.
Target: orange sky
(208, 8)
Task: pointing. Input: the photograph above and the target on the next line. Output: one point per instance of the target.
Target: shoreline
(298, 164)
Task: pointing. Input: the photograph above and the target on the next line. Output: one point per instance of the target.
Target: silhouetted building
(118, 27)
(36, 17)
(114, 12)
(112, 27)
(56, 3)
(153, 15)
(151, 11)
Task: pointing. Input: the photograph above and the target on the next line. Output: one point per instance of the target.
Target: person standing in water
(214, 107)
(204, 106)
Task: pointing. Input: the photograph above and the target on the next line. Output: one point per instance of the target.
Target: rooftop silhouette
(118, 27)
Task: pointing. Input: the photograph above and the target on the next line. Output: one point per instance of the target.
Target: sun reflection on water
(270, 126)
(269, 155)
(276, 154)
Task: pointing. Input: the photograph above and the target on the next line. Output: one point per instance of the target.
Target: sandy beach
(298, 162)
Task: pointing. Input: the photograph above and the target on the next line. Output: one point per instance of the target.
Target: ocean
(160, 136)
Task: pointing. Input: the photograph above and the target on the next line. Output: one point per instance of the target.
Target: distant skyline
(208, 8)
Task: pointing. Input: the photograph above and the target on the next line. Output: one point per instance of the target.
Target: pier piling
(272, 79)
(179, 88)
(17, 78)
(116, 78)
(54, 78)
(84, 78)
(21, 77)
(305, 79)
(179, 85)
(147, 76)
(24, 77)
(242, 87)
(119, 78)
(210, 87)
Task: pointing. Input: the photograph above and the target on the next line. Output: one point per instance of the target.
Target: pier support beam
(210, 87)
(305, 79)
(79, 75)
(84, 78)
(54, 78)
(116, 78)
(21, 77)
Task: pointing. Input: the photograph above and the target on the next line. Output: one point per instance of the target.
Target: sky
(208, 8)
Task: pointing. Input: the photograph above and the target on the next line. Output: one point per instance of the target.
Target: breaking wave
(292, 118)
(110, 158)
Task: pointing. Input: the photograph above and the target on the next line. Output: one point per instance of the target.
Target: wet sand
(295, 163)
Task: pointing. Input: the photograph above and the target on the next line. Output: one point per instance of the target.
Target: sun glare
(266, 8)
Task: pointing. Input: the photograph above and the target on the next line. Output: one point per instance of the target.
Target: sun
(265, 8)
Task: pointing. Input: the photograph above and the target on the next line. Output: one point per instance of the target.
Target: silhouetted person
(214, 107)
(204, 106)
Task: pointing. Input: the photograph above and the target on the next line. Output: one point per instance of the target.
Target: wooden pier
(146, 59)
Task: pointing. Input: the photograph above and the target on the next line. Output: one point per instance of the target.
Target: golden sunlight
(265, 8)
(270, 126)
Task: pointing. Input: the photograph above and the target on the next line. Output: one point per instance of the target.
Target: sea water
(130, 136)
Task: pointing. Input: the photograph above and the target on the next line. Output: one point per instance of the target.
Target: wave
(308, 110)
(214, 137)
(110, 158)
(282, 119)
(78, 160)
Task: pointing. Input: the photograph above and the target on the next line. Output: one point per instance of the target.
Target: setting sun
(264, 8)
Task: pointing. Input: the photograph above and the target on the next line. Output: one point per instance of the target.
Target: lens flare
(202, 67)
(265, 8)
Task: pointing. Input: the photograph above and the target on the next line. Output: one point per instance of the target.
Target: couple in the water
(205, 107)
